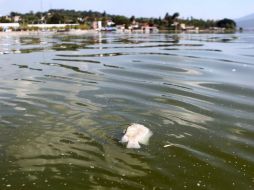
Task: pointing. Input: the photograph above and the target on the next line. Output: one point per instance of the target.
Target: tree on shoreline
(56, 18)
(226, 23)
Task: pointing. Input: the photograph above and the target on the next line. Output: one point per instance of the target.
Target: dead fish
(135, 135)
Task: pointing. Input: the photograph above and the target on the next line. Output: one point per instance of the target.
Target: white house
(97, 25)
(51, 25)
(17, 18)
(110, 23)
(183, 26)
(8, 26)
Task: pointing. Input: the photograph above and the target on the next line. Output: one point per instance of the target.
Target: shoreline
(81, 32)
(38, 32)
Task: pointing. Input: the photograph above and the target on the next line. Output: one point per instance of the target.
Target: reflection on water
(65, 100)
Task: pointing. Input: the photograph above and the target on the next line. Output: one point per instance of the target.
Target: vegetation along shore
(65, 20)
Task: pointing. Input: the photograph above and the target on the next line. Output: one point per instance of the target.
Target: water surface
(65, 100)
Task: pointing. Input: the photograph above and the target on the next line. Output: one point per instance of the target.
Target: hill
(246, 22)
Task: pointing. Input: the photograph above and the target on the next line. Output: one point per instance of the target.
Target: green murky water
(65, 100)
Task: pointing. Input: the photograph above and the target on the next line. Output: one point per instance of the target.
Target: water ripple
(65, 100)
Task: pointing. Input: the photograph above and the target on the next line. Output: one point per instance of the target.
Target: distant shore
(38, 32)
(81, 32)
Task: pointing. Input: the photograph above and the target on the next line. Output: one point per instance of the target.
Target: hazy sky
(212, 9)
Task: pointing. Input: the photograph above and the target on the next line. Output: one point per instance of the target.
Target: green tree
(4, 20)
(120, 20)
(13, 14)
(226, 23)
(56, 18)
(132, 19)
(166, 17)
(175, 16)
(104, 14)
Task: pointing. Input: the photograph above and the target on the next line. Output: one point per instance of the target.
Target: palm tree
(175, 16)
(174, 19)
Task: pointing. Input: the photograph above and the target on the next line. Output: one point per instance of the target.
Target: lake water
(66, 99)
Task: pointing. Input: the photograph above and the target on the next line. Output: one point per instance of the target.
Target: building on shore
(7, 18)
(216, 29)
(110, 23)
(183, 27)
(46, 26)
(148, 29)
(120, 28)
(6, 27)
(97, 25)
(134, 26)
(16, 18)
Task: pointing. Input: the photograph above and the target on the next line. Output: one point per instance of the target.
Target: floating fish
(135, 135)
